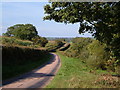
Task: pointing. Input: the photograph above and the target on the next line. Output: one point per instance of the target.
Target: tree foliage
(101, 19)
(42, 41)
(52, 46)
(78, 48)
(22, 31)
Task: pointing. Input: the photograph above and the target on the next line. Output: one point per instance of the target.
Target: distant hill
(67, 39)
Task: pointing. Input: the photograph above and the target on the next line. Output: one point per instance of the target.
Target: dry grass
(108, 80)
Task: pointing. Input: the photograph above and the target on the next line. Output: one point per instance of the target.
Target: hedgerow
(54, 45)
(92, 52)
(12, 57)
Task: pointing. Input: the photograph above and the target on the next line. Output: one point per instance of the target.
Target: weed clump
(108, 80)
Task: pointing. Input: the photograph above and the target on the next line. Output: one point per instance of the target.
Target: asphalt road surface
(37, 78)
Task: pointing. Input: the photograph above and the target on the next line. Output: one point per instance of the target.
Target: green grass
(75, 74)
(11, 71)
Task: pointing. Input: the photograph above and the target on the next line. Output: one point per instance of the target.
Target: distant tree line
(66, 39)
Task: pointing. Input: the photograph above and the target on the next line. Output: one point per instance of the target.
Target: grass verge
(75, 74)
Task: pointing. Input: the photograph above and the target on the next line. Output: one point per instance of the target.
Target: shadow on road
(32, 73)
(42, 83)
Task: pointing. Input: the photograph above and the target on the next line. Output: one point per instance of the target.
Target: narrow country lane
(39, 77)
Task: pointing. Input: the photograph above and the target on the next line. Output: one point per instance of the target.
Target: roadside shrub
(92, 52)
(97, 55)
(54, 45)
(42, 41)
(78, 48)
(64, 47)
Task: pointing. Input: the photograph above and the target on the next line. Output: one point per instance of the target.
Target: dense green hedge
(78, 47)
(92, 52)
(41, 41)
(98, 56)
(64, 47)
(12, 57)
(17, 55)
(52, 46)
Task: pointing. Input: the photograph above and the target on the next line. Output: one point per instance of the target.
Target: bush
(42, 41)
(64, 47)
(97, 55)
(54, 45)
(78, 48)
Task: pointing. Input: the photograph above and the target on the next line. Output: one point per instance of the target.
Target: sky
(33, 13)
